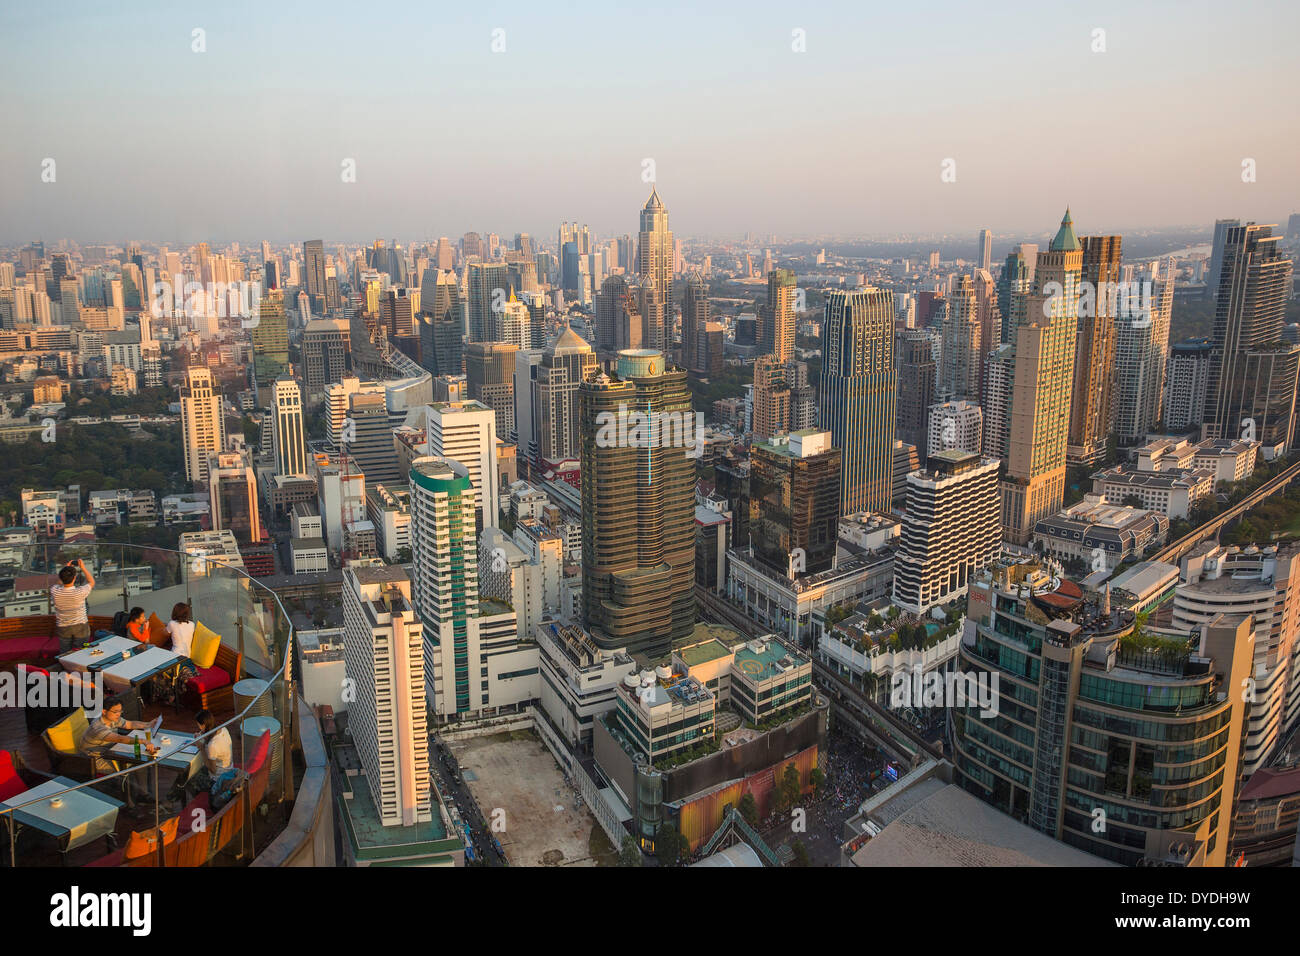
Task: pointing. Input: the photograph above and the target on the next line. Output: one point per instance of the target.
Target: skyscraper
(1186, 375)
(770, 398)
(638, 500)
(270, 341)
(1221, 227)
(776, 317)
(232, 496)
(1252, 377)
(962, 345)
(695, 320)
(564, 365)
(1091, 411)
(489, 376)
(618, 318)
(1141, 343)
(950, 531)
(466, 432)
(916, 377)
(313, 254)
(1034, 485)
(1014, 284)
(858, 394)
(655, 267)
(325, 347)
(383, 644)
(287, 431)
(489, 288)
(203, 429)
(441, 323)
(985, 249)
(794, 503)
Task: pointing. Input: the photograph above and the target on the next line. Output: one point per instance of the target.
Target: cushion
(18, 648)
(203, 651)
(260, 750)
(10, 783)
(157, 631)
(65, 735)
(208, 679)
(201, 803)
(143, 842)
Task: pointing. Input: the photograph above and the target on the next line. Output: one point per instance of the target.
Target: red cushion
(208, 679)
(260, 751)
(10, 783)
(200, 802)
(17, 648)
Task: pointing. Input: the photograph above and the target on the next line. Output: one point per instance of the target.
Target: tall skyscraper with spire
(1034, 484)
(859, 393)
(655, 267)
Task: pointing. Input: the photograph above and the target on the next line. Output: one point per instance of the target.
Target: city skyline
(275, 123)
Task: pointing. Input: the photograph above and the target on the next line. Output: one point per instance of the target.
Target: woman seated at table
(106, 730)
(218, 757)
(181, 630)
(137, 625)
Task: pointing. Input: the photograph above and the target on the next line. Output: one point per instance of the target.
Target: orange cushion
(144, 842)
(157, 631)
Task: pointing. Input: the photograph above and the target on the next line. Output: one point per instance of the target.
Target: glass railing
(73, 802)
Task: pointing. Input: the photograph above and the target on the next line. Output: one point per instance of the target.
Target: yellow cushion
(65, 736)
(203, 652)
(143, 842)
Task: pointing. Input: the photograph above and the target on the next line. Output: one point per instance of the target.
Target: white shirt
(182, 636)
(219, 751)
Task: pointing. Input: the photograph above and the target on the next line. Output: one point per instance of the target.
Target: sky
(248, 139)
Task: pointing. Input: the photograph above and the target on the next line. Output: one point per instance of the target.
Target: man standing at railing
(68, 601)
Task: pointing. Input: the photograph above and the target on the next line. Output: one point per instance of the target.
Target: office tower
(1221, 227)
(397, 308)
(313, 255)
(1016, 281)
(1186, 375)
(466, 432)
(988, 318)
(203, 428)
(1090, 713)
(999, 383)
(1252, 381)
(574, 243)
(695, 320)
(985, 255)
(472, 247)
(1091, 409)
(776, 317)
(618, 317)
(962, 345)
(232, 496)
(655, 267)
(341, 499)
(793, 504)
(287, 438)
(383, 644)
(638, 501)
(858, 388)
(526, 414)
(490, 377)
(1141, 343)
(567, 363)
(1034, 486)
(711, 348)
(950, 531)
(955, 426)
(270, 341)
(325, 348)
(489, 288)
(916, 377)
(770, 398)
(512, 323)
(441, 323)
(444, 255)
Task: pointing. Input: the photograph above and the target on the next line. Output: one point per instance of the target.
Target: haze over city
(246, 139)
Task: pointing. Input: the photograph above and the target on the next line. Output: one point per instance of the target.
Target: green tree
(629, 855)
(789, 789)
(801, 857)
(748, 809)
(668, 845)
(817, 779)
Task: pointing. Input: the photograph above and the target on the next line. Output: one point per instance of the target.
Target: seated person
(106, 730)
(218, 757)
(137, 625)
(181, 629)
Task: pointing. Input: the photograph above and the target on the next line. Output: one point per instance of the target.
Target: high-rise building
(985, 256)
(1251, 390)
(776, 317)
(564, 365)
(618, 317)
(1034, 484)
(1141, 343)
(287, 435)
(232, 497)
(655, 267)
(466, 432)
(1093, 717)
(203, 427)
(270, 341)
(1186, 375)
(858, 389)
(951, 529)
(1091, 411)
(916, 379)
(962, 345)
(1221, 227)
(313, 254)
(370, 439)
(325, 347)
(1016, 281)
(383, 644)
(638, 505)
(695, 320)
(988, 318)
(794, 503)
(489, 375)
(770, 398)
(489, 289)
(441, 323)
(955, 426)
(573, 244)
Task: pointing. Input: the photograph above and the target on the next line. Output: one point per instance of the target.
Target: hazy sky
(246, 140)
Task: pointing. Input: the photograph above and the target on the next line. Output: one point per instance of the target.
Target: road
(459, 794)
(1175, 552)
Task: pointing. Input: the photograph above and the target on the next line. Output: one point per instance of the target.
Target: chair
(62, 741)
(11, 781)
(213, 687)
(27, 638)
